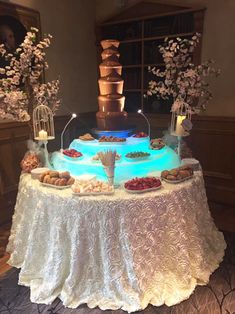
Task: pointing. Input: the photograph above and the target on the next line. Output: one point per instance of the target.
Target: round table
(121, 251)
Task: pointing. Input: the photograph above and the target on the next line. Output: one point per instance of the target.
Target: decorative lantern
(43, 123)
(43, 127)
(181, 122)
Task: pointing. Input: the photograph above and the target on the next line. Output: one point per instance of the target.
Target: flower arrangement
(20, 81)
(182, 80)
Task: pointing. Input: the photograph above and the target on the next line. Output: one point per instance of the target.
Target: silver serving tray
(143, 191)
(58, 187)
(94, 193)
(176, 181)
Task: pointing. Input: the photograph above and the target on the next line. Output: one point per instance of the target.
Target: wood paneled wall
(212, 141)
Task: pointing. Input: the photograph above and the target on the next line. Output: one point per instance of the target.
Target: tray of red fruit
(142, 185)
(72, 154)
(140, 135)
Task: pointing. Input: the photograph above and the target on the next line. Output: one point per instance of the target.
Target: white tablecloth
(121, 251)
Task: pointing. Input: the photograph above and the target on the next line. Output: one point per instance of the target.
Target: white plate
(35, 173)
(155, 148)
(94, 193)
(112, 143)
(138, 138)
(143, 191)
(72, 158)
(176, 181)
(58, 187)
(94, 140)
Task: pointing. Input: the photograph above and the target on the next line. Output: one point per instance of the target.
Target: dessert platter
(140, 135)
(72, 154)
(142, 185)
(177, 175)
(133, 156)
(157, 144)
(91, 187)
(111, 139)
(56, 179)
(86, 137)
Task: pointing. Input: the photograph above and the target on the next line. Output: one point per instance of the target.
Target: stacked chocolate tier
(111, 115)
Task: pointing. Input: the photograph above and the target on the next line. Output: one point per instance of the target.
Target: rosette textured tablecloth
(121, 251)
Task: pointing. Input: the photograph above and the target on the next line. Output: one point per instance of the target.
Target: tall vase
(109, 171)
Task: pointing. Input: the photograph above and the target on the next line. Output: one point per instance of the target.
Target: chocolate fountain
(111, 115)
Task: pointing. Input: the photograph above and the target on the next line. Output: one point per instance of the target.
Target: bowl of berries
(140, 135)
(72, 154)
(141, 185)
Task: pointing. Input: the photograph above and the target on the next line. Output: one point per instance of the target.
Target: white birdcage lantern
(43, 128)
(43, 123)
(181, 121)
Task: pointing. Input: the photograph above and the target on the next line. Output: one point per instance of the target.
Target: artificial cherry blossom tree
(20, 83)
(181, 79)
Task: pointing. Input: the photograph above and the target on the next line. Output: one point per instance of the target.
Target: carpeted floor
(218, 297)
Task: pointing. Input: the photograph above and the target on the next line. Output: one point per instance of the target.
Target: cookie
(170, 177)
(70, 181)
(54, 174)
(65, 175)
(164, 173)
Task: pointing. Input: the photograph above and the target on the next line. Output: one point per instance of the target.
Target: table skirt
(122, 251)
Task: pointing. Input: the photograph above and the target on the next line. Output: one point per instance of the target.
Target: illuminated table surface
(126, 168)
(121, 251)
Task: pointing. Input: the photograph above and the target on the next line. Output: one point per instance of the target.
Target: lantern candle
(42, 135)
(179, 130)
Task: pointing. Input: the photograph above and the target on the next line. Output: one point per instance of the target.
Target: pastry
(179, 177)
(70, 181)
(63, 182)
(184, 173)
(53, 174)
(57, 181)
(52, 180)
(65, 175)
(46, 178)
(86, 137)
(41, 177)
(170, 177)
(164, 173)
(174, 172)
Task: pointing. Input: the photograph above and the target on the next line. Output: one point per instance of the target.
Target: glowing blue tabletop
(126, 168)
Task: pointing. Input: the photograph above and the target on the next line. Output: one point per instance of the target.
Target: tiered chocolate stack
(111, 115)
